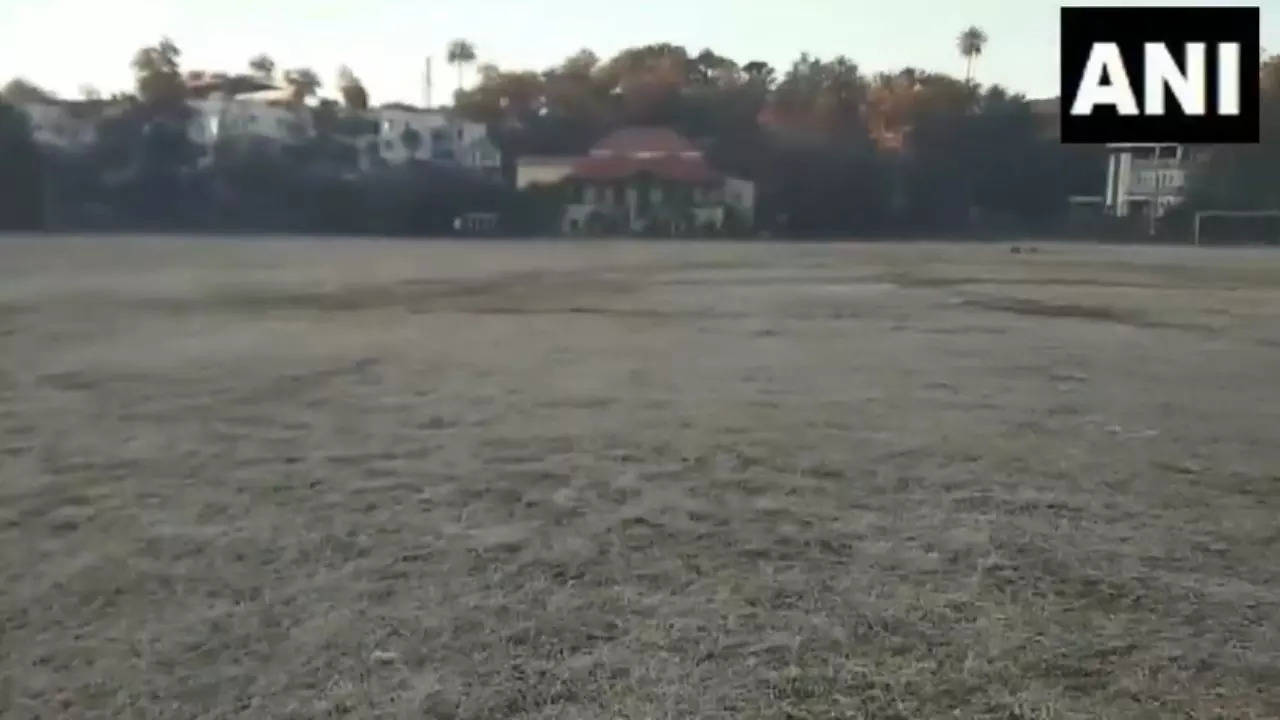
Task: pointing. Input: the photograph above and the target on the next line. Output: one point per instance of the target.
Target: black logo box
(1131, 28)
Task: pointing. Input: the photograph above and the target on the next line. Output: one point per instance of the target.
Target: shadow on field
(1100, 313)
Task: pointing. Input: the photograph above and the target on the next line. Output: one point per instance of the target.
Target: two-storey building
(1146, 179)
(407, 133)
(651, 180)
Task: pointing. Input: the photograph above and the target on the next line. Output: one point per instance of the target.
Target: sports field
(319, 478)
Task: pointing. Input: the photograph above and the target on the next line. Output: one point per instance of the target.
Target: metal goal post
(1200, 215)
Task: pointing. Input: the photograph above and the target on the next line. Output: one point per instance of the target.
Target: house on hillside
(63, 125)
(1142, 179)
(261, 119)
(647, 180)
(204, 85)
(408, 133)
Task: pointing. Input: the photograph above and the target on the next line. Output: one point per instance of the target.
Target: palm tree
(970, 43)
(461, 53)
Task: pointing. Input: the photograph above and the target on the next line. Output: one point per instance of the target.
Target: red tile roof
(661, 152)
(667, 167)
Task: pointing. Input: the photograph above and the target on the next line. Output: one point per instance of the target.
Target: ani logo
(1160, 75)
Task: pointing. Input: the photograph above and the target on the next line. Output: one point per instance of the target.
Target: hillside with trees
(834, 150)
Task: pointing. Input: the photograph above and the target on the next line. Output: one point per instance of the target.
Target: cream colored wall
(541, 173)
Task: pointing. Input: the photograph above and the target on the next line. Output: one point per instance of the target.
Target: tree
(89, 92)
(325, 117)
(460, 54)
(971, 44)
(354, 96)
(263, 67)
(21, 206)
(760, 72)
(19, 91)
(158, 75)
(412, 141)
(708, 68)
(303, 83)
(580, 63)
(824, 99)
(648, 80)
(891, 100)
(1245, 177)
(503, 98)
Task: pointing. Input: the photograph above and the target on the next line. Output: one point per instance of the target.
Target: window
(388, 145)
(459, 133)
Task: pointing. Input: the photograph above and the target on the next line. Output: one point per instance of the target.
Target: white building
(543, 169)
(1145, 178)
(651, 180)
(246, 117)
(68, 126)
(406, 133)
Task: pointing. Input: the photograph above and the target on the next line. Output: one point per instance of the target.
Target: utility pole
(1155, 204)
(46, 195)
(428, 98)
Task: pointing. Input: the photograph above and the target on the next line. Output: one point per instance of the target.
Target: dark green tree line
(1246, 177)
(21, 180)
(833, 149)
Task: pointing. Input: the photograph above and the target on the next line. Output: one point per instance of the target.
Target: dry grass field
(314, 479)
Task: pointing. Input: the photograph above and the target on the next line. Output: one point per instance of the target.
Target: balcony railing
(1161, 164)
(1140, 185)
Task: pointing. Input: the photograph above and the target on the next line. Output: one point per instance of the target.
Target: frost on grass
(259, 479)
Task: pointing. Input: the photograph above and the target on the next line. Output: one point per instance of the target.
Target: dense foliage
(833, 151)
(21, 200)
(1245, 177)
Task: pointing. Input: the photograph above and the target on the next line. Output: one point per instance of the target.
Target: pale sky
(62, 44)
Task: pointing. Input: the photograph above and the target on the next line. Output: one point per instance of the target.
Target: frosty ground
(302, 479)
